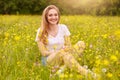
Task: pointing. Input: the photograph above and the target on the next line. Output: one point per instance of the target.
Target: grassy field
(20, 57)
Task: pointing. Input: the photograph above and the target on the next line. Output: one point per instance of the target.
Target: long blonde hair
(45, 23)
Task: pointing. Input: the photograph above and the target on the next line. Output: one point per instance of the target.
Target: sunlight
(81, 3)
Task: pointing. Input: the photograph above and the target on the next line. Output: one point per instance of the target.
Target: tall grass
(20, 57)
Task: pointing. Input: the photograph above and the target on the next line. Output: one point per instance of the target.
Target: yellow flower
(76, 47)
(61, 75)
(79, 59)
(71, 75)
(17, 38)
(119, 74)
(4, 43)
(117, 53)
(66, 75)
(98, 62)
(55, 47)
(109, 75)
(105, 35)
(113, 58)
(117, 33)
(18, 63)
(6, 34)
(97, 70)
(106, 62)
(79, 76)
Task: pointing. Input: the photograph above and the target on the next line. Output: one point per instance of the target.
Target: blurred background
(96, 22)
(35, 7)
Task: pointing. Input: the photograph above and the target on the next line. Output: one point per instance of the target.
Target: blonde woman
(54, 42)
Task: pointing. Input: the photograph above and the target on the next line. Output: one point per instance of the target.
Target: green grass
(19, 51)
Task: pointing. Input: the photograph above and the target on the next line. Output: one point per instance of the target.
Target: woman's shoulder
(62, 26)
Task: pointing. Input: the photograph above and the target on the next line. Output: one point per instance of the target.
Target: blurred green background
(89, 7)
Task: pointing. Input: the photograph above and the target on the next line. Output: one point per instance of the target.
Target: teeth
(53, 20)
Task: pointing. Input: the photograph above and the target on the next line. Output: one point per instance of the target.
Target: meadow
(20, 57)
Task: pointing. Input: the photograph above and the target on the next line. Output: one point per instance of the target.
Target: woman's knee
(80, 44)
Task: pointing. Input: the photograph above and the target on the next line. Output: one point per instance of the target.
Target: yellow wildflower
(79, 59)
(18, 63)
(109, 75)
(79, 76)
(66, 75)
(76, 47)
(61, 75)
(106, 62)
(71, 75)
(113, 58)
(117, 33)
(6, 34)
(119, 74)
(105, 35)
(117, 53)
(4, 43)
(17, 38)
(55, 47)
(97, 70)
(98, 62)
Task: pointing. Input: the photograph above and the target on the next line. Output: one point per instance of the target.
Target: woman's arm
(67, 41)
(68, 45)
(42, 49)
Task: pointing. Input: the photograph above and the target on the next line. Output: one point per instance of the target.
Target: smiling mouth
(53, 20)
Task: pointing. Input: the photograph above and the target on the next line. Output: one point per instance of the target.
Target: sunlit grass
(20, 57)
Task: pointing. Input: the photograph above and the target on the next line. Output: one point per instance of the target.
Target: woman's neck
(53, 30)
(53, 27)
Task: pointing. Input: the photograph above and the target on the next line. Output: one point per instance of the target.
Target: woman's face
(52, 16)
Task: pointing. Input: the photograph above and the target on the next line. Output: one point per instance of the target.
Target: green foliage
(22, 6)
(90, 7)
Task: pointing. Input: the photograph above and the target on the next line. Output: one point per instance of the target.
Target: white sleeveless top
(57, 42)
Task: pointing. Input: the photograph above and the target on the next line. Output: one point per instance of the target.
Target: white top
(57, 42)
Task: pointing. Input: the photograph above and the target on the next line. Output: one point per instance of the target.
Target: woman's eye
(56, 14)
(50, 15)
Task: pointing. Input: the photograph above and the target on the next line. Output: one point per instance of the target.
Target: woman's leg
(78, 49)
(57, 57)
(55, 61)
(77, 53)
(68, 59)
(72, 63)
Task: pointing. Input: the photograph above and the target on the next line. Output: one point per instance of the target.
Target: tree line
(90, 7)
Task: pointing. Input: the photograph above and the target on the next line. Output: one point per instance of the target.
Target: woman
(54, 42)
